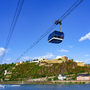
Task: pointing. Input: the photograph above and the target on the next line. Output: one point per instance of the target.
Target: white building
(36, 61)
(5, 72)
(17, 63)
(61, 77)
(21, 62)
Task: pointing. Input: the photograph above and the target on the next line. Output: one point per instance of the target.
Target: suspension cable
(14, 21)
(71, 9)
(53, 26)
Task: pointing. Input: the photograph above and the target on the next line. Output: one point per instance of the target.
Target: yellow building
(80, 63)
(49, 61)
(70, 60)
(64, 58)
(85, 64)
(46, 61)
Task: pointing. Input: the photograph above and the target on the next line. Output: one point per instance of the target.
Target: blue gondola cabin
(56, 37)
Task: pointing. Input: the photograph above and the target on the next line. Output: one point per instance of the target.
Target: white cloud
(27, 58)
(86, 55)
(87, 36)
(2, 51)
(58, 57)
(8, 59)
(70, 46)
(87, 61)
(47, 56)
(62, 50)
(78, 61)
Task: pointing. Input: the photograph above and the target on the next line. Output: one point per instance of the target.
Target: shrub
(59, 59)
(75, 82)
(82, 71)
(70, 82)
(73, 78)
(55, 78)
(88, 72)
(22, 79)
(32, 77)
(70, 72)
(64, 73)
(80, 83)
(43, 75)
(49, 79)
(83, 83)
(64, 79)
(35, 60)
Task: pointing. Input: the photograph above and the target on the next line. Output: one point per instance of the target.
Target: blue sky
(35, 18)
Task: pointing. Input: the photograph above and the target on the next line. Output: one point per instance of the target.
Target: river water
(48, 87)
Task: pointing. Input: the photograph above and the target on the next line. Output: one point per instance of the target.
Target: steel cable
(14, 21)
(53, 26)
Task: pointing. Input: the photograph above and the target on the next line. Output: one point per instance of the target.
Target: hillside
(28, 70)
(4, 67)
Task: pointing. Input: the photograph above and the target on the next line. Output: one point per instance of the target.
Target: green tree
(55, 78)
(49, 79)
(59, 59)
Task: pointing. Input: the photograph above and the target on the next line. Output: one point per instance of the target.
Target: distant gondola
(56, 37)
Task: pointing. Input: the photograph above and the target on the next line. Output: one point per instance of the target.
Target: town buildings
(7, 75)
(83, 77)
(18, 63)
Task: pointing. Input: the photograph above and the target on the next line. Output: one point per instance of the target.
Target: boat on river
(15, 85)
(2, 86)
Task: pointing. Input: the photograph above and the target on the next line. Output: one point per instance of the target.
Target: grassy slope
(30, 70)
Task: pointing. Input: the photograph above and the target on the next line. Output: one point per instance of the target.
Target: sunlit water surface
(48, 87)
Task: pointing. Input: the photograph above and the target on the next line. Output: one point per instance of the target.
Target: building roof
(83, 74)
(62, 75)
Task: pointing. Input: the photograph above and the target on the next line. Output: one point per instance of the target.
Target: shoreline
(46, 82)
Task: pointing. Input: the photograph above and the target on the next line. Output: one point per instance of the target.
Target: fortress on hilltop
(47, 62)
(59, 60)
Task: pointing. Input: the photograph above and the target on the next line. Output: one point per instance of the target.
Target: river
(48, 87)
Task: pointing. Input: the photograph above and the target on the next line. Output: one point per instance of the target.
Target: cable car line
(70, 9)
(10, 31)
(37, 41)
(13, 24)
(53, 26)
(57, 37)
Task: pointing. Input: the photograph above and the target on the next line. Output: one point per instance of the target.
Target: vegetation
(31, 70)
(35, 60)
(59, 59)
(49, 79)
(4, 67)
(55, 78)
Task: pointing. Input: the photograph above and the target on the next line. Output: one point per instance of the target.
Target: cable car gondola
(56, 36)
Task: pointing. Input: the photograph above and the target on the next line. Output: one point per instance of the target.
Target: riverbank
(46, 82)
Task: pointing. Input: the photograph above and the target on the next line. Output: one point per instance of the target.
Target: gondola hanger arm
(59, 22)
